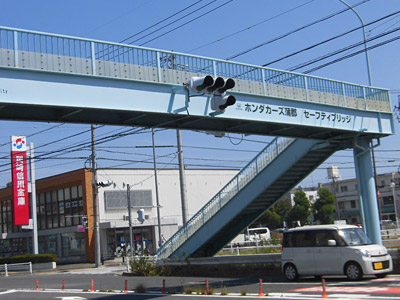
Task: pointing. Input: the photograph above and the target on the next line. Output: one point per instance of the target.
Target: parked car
(258, 234)
(332, 250)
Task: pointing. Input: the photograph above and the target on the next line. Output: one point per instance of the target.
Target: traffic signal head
(218, 83)
(220, 102)
(228, 84)
(199, 85)
(85, 222)
(140, 213)
(217, 88)
(104, 183)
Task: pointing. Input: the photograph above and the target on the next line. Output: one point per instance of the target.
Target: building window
(73, 244)
(118, 199)
(353, 204)
(343, 188)
(388, 200)
(341, 205)
(57, 208)
(48, 244)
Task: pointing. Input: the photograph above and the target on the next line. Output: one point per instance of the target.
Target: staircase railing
(251, 170)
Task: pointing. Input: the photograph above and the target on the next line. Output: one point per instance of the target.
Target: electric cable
(351, 55)
(163, 20)
(294, 31)
(328, 40)
(249, 27)
(315, 60)
(154, 31)
(190, 21)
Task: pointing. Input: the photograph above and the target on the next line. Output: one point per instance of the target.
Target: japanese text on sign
(293, 113)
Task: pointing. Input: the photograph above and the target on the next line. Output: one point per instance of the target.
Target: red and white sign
(19, 175)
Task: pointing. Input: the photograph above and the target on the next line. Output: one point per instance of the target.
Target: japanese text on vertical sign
(19, 167)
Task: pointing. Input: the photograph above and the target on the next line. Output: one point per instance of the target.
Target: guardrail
(40, 51)
(16, 267)
(250, 171)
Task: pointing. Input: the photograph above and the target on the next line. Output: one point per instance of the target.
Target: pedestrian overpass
(55, 78)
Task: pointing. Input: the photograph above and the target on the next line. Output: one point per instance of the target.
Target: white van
(258, 234)
(332, 250)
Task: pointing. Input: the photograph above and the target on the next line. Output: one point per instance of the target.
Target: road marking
(7, 292)
(72, 298)
(352, 289)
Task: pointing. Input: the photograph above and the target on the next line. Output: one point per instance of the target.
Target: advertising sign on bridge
(19, 180)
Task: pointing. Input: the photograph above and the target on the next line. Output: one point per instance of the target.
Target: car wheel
(353, 271)
(291, 272)
(382, 275)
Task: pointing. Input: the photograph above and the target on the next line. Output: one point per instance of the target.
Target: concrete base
(44, 266)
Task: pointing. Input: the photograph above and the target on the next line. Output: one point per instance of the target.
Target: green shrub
(142, 267)
(224, 290)
(34, 258)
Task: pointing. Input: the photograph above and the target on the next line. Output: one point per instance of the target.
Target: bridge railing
(254, 167)
(60, 53)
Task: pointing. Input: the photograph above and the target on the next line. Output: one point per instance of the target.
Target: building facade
(347, 196)
(65, 200)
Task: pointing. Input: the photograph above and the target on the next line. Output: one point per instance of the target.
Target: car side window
(304, 239)
(323, 236)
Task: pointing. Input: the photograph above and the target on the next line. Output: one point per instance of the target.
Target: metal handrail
(16, 267)
(248, 173)
(61, 53)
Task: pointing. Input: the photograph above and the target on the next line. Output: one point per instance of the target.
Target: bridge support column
(366, 188)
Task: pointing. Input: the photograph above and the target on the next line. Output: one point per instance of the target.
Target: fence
(16, 267)
(40, 51)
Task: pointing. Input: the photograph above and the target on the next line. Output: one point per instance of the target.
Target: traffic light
(220, 101)
(85, 222)
(217, 88)
(140, 213)
(199, 85)
(104, 183)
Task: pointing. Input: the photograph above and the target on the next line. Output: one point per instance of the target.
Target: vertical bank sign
(19, 180)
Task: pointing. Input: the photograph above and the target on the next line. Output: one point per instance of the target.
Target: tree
(272, 219)
(324, 206)
(274, 216)
(301, 208)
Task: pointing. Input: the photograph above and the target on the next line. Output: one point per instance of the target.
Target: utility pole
(33, 199)
(97, 250)
(182, 178)
(156, 182)
(128, 198)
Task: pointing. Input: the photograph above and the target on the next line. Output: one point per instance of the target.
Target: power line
(249, 27)
(351, 55)
(328, 40)
(154, 31)
(294, 31)
(184, 24)
(310, 62)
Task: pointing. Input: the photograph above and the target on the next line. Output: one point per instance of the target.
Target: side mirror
(331, 243)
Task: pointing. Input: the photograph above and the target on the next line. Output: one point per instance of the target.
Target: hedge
(34, 258)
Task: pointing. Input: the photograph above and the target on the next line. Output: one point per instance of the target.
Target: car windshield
(354, 237)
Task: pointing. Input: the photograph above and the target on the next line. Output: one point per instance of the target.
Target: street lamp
(393, 186)
(365, 41)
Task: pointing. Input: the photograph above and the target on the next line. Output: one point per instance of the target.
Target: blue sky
(236, 27)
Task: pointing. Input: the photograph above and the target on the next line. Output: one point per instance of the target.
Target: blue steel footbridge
(56, 78)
